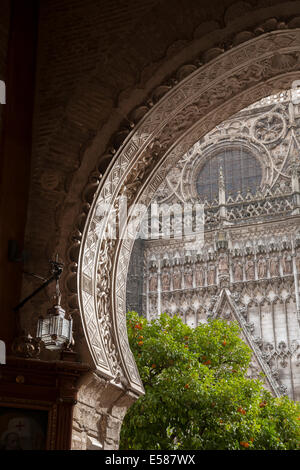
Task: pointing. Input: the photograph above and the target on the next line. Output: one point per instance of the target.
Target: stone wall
(98, 414)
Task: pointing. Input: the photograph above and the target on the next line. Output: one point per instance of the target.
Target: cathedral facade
(245, 266)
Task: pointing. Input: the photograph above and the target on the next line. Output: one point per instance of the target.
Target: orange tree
(196, 392)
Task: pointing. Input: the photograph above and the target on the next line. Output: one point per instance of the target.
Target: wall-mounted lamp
(54, 330)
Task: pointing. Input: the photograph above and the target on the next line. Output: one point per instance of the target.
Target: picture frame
(27, 424)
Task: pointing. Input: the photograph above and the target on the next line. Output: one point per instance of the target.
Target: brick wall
(91, 56)
(77, 90)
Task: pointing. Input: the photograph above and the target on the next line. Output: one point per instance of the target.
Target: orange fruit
(241, 410)
(244, 444)
(263, 404)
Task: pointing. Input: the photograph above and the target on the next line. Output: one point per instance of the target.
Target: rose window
(242, 173)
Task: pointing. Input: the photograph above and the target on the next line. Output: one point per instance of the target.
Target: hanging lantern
(55, 330)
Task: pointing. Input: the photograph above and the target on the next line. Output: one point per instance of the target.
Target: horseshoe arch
(215, 91)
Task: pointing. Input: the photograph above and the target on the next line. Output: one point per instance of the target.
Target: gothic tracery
(248, 267)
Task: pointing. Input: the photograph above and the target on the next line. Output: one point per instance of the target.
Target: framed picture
(23, 428)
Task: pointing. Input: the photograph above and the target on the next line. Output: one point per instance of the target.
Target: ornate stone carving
(211, 274)
(153, 283)
(238, 271)
(287, 266)
(274, 266)
(250, 327)
(254, 372)
(165, 280)
(26, 346)
(188, 278)
(262, 268)
(104, 306)
(269, 128)
(250, 269)
(169, 120)
(223, 264)
(177, 278)
(200, 276)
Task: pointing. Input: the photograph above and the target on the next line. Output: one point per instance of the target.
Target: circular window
(242, 172)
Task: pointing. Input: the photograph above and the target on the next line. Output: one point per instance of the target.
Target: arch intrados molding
(165, 124)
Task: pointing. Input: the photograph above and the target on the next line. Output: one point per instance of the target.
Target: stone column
(98, 414)
(296, 285)
(222, 196)
(147, 294)
(159, 287)
(296, 185)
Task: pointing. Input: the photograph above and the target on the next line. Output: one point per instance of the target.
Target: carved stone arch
(227, 309)
(287, 299)
(190, 315)
(264, 301)
(252, 303)
(276, 300)
(212, 93)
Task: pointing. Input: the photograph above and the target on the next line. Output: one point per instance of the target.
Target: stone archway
(208, 96)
